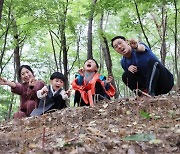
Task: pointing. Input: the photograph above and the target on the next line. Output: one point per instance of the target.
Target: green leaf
(140, 137)
(145, 115)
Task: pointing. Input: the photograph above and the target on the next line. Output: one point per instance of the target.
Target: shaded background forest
(59, 35)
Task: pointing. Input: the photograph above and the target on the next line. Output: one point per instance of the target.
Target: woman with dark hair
(27, 90)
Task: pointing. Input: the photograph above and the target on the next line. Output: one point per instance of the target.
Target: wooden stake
(43, 137)
(44, 129)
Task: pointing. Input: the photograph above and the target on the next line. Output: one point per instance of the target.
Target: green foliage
(5, 102)
(145, 115)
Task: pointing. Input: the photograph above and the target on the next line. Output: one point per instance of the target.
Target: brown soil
(100, 129)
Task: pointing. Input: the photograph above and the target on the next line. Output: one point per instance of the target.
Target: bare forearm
(11, 84)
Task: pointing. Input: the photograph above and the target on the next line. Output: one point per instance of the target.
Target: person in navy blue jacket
(142, 69)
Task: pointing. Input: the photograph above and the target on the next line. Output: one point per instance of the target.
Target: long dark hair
(24, 66)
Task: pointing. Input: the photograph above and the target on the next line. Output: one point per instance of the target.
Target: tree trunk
(89, 44)
(164, 28)
(17, 61)
(107, 56)
(65, 58)
(63, 44)
(176, 42)
(16, 49)
(54, 51)
(2, 52)
(1, 7)
(10, 107)
(16, 58)
(108, 62)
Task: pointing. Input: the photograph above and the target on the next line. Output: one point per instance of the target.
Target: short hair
(117, 37)
(93, 60)
(58, 75)
(24, 66)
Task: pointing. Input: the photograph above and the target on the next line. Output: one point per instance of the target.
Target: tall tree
(4, 37)
(162, 32)
(16, 46)
(91, 16)
(54, 50)
(62, 28)
(163, 50)
(1, 7)
(58, 28)
(175, 44)
(106, 53)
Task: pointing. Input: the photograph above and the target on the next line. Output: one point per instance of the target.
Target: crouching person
(90, 86)
(52, 96)
(26, 90)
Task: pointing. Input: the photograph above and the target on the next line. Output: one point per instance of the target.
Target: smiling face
(57, 84)
(122, 47)
(26, 75)
(90, 66)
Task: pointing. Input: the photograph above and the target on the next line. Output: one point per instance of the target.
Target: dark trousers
(158, 81)
(98, 90)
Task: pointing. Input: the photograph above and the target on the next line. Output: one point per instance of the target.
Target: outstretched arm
(6, 82)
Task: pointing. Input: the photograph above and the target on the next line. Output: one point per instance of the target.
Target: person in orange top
(90, 85)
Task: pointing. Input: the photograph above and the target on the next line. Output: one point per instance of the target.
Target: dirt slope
(108, 127)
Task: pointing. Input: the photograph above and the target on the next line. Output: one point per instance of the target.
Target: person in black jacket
(52, 96)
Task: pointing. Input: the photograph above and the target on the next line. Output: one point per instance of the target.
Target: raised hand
(133, 43)
(44, 90)
(68, 92)
(32, 82)
(3, 81)
(81, 71)
(109, 79)
(132, 69)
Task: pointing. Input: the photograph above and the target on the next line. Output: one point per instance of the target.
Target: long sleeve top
(26, 93)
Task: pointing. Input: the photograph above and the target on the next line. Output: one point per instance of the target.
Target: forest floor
(124, 126)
